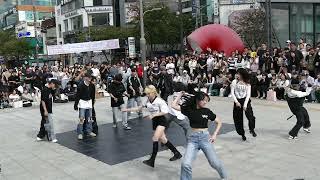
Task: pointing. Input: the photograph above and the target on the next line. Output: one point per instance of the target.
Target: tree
(13, 49)
(251, 26)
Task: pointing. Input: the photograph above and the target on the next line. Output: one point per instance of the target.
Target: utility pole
(142, 45)
(35, 32)
(181, 27)
(269, 23)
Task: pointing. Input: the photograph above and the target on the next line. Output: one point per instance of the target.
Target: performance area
(117, 154)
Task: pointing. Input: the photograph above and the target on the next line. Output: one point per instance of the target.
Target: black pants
(303, 120)
(42, 132)
(238, 117)
(280, 93)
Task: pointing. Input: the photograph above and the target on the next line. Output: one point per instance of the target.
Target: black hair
(55, 82)
(189, 102)
(118, 77)
(178, 87)
(245, 75)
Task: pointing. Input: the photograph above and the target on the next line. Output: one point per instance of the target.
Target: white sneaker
(80, 136)
(39, 139)
(126, 128)
(293, 138)
(92, 134)
(55, 141)
(307, 130)
(114, 125)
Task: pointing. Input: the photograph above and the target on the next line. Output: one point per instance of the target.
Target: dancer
(134, 89)
(195, 109)
(116, 91)
(46, 127)
(85, 96)
(177, 116)
(295, 101)
(94, 118)
(159, 115)
(241, 93)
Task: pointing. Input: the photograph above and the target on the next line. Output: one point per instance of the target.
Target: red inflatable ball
(216, 37)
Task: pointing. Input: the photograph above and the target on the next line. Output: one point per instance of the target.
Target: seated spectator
(281, 84)
(14, 96)
(273, 82)
(26, 96)
(263, 85)
(210, 82)
(4, 100)
(177, 78)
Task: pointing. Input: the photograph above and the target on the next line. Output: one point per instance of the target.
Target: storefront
(296, 19)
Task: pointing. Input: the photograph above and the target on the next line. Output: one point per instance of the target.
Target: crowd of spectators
(212, 72)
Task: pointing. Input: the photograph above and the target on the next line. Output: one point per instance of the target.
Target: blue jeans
(197, 141)
(85, 114)
(130, 104)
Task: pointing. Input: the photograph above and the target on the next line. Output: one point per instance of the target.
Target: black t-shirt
(199, 117)
(136, 84)
(47, 98)
(117, 89)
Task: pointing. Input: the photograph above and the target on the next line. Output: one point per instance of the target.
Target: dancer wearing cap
(295, 101)
(46, 127)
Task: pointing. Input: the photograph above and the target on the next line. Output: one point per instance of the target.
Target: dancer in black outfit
(159, 115)
(295, 101)
(241, 93)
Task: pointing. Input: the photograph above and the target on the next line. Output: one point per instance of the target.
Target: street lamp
(143, 40)
(200, 9)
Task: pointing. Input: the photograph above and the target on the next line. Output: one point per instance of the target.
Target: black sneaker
(244, 138)
(176, 157)
(149, 162)
(253, 133)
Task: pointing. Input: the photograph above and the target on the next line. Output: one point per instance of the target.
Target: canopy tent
(83, 47)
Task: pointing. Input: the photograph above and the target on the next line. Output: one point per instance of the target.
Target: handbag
(271, 95)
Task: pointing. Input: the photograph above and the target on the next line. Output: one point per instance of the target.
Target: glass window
(100, 19)
(317, 23)
(77, 23)
(280, 23)
(66, 27)
(301, 21)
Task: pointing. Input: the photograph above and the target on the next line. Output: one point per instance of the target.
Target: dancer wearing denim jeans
(135, 90)
(194, 108)
(83, 102)
(116, 91)
(46, 127)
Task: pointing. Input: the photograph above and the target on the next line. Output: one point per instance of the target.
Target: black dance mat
(116, 145)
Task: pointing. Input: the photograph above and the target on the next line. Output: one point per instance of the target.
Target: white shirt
(172, 111)
(210, 62)
(95, 72)
(85, 104)
(170, 68)
(158, 105)
(240, 90)
(294, 93)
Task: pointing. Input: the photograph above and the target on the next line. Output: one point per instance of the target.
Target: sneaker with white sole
(126, 128)
(54, 140)
(39, 139)
(307, 130)
(114, 125)
(293, 138)
(80, 136)
(92, 134)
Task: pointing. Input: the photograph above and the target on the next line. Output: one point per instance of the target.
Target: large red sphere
(216, 37)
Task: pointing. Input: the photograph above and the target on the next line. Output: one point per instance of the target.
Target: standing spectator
(210, 62)
(310, 58)
(193, 65)
(170, 68)
(295, 57)
(261, 55)
(317, 63)
(165, 84)
(232, 66)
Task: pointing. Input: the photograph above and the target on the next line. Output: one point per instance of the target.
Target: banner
(83, 47)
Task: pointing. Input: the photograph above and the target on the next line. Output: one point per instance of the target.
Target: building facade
(74, 16)
(295, 19)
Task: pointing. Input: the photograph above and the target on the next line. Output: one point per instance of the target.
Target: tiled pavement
(269, 156)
